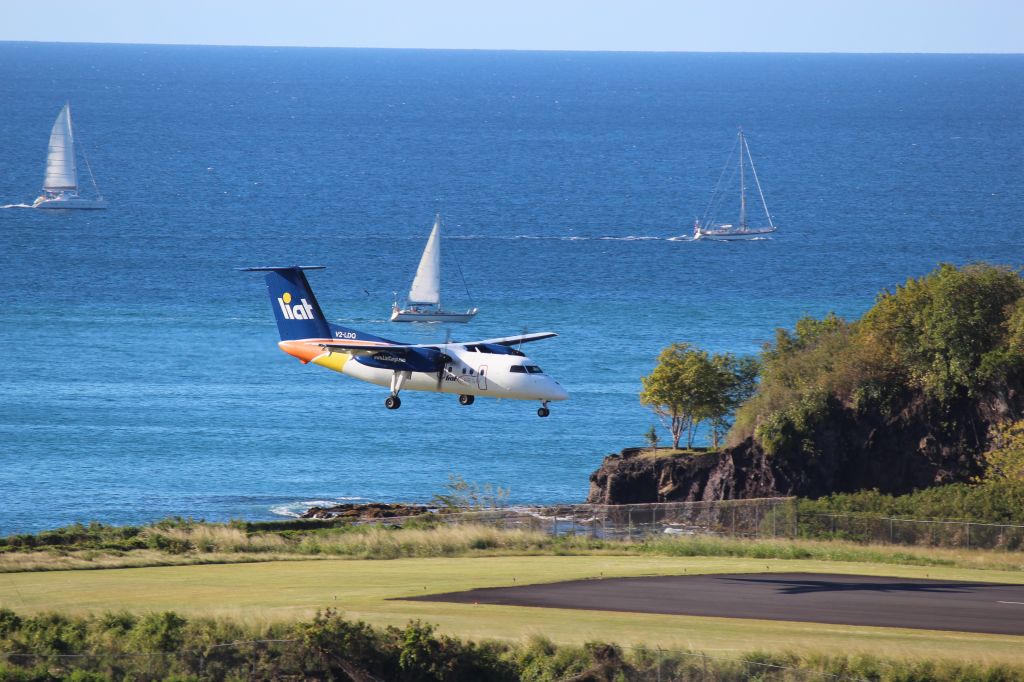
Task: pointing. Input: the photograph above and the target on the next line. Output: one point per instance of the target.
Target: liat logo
(300, 311)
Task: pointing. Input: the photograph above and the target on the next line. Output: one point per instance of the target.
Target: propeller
(443, 359)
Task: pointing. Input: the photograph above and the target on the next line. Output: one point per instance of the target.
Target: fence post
(734, 520)
(629, 526)
(968, 535)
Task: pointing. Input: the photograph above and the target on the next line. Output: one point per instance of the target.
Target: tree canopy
(948, 335)
(1005, 461)
(689, 387)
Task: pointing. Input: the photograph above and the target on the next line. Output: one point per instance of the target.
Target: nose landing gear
(393, 402)
(543, 410)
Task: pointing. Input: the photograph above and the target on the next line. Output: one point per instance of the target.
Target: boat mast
(743, 189)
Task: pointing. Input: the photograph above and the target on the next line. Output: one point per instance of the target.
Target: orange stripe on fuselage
(307, 349)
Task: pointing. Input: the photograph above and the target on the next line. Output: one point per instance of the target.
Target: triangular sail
(60, 159)
(426, 286)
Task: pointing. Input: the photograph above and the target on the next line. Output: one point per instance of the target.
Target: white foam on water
(296, 509)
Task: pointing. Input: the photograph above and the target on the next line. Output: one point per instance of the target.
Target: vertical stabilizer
(295, 307)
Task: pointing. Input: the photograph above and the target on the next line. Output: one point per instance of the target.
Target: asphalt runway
(811, 597)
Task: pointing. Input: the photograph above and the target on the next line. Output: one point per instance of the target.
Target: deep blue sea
(139, 375)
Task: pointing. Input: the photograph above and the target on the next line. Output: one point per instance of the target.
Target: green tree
(1005, 461)
(651, 436)
(688, 386)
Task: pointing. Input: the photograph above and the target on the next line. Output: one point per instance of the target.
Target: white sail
(60, 159)
(426, 286)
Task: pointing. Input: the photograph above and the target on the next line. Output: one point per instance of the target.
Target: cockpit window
(534, 369)
(519, 369)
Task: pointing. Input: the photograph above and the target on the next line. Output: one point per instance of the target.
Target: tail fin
(298, 314)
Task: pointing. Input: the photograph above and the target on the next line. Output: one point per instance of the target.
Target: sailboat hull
(70, 202)
(410, 315)
(714, 235)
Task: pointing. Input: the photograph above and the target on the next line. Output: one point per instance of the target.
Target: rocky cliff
(909, 444)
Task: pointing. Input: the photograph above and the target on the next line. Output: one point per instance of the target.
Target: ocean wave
(16, 206)
(296, 509)
(564, 238)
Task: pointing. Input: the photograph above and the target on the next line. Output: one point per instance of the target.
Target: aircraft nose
(556, 392)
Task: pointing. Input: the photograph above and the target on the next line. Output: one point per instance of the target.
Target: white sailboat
(60, 185)
(424, 301)
(707, 228)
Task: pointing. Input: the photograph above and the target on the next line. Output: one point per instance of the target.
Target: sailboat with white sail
(707, 227)
(60, 184)
(424, 301)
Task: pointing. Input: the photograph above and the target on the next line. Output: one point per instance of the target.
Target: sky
(982, 26)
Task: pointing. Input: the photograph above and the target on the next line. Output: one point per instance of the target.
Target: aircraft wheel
(543, 411)
(393, 402)
(466, 399)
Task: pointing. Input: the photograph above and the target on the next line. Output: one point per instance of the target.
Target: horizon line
(504, 49)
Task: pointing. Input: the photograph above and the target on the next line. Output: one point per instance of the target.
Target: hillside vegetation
(951, 335)
(943, 342)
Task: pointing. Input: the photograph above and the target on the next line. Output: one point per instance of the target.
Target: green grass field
(372, 591)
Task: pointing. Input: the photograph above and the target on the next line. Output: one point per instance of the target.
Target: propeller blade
(442, 364)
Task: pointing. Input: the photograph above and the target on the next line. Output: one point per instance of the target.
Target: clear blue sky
(645, 25)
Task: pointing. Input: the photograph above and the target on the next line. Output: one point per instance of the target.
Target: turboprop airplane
(492, 368)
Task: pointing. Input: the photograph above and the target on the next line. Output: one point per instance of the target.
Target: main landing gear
(466, 399)
(393, 402)
(543, 410)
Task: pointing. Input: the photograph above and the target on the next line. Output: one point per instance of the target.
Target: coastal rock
(918, 445)
(366, 510)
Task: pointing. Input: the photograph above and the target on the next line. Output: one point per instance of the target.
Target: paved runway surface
(812, 597)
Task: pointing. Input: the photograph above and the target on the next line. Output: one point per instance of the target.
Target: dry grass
(667, 453)
(18, 562)
(442, 541)
(218, 538)
(218, 544)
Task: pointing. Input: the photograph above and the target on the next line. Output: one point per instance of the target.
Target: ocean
(140, 377)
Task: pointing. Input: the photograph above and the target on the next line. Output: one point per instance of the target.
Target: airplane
(492, 368)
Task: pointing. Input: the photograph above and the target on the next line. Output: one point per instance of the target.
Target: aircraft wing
(516, 340)
(369, 347)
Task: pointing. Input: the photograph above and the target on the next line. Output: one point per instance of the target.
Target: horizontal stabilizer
(278, 268)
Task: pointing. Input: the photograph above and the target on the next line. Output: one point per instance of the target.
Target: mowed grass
(372, 591)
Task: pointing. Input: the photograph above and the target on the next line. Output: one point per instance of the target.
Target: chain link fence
(898, 531)
(775, 517)
(767, 517)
